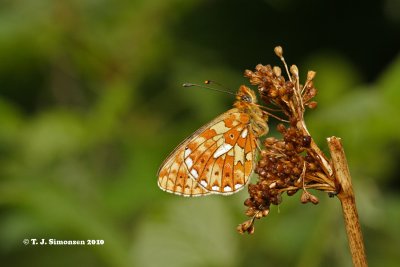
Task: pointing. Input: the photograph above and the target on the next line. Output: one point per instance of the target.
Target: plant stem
(347, 199)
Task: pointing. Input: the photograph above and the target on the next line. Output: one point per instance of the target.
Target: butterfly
(220, 156)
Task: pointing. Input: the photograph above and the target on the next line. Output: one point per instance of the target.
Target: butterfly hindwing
(174, 173)
(173, 177)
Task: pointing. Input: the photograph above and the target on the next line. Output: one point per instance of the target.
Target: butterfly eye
(246, 98)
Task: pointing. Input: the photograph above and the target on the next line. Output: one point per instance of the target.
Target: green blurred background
(91, 103)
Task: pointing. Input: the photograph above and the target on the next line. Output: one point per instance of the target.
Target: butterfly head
(246, 96)
(246, 102)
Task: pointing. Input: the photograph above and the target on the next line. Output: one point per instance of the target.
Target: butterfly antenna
(218, 84)
(209, 87)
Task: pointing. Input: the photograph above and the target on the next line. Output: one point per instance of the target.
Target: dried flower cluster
(293, 162)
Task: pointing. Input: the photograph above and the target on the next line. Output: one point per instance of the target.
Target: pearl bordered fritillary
(220, 156)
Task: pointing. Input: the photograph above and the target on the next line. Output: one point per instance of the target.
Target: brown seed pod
(314, 199)
(291, 192)
(305, 197)
(312, 104)
(306, 141)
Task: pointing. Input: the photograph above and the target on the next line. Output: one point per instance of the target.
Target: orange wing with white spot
(217, 158)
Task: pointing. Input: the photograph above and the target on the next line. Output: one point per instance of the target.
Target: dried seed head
(248, 202)
(312, 104)
(294, 70)
(250, 212)
(277, 71)
(306, 141)
(311, 75)
(278, 51)
(314, 199)
(312, 92)
(282, 91)
(265, 212)
(291, 192)
(268, 141)
(305, 197)
(281, 128)
(273, 93)
(259, 67)
(248, 73)
(262, 163)
(258, 215)
(247, 226)
(264, 153)
(289, 163)
(263, 173)
(251, 230)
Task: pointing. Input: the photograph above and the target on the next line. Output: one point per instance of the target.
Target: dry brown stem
(347, 199)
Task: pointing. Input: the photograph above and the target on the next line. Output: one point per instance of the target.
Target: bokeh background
(91, 103)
